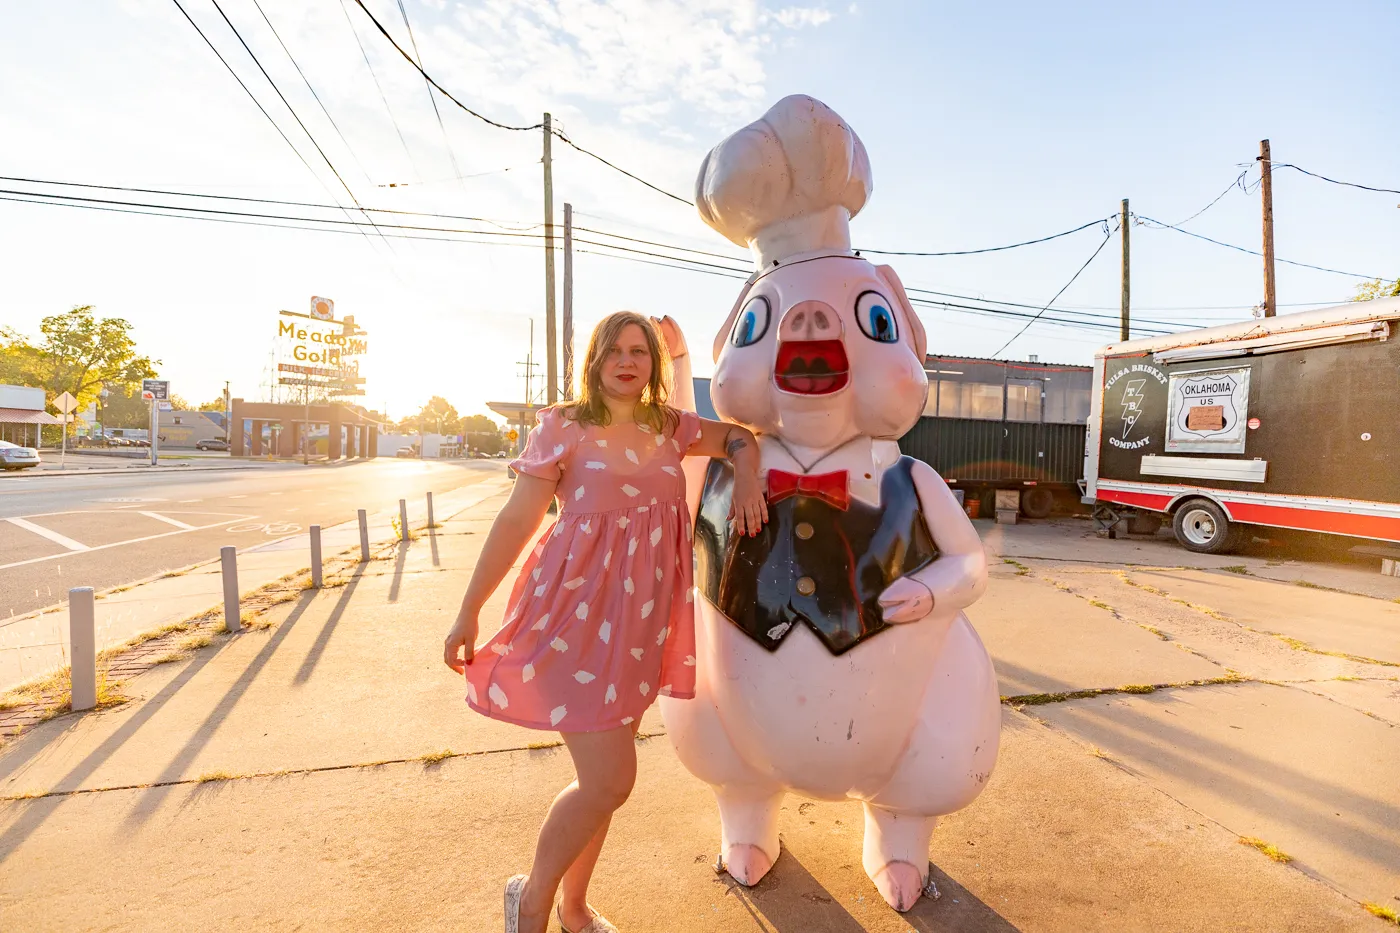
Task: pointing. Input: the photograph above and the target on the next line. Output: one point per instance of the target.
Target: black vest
(812, 563)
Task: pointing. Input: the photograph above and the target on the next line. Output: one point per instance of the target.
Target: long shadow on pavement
(792, 900)
(1279, 791)
(399, 562)
(148, 801)
(313, 656)
(33, 817)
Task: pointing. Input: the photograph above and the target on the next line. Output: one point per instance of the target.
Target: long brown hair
(652, 407)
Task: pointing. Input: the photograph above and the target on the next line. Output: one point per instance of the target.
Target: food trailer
(1283, 422)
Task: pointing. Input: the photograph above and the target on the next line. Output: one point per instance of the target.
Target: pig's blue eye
(875, 318)
(752, 322)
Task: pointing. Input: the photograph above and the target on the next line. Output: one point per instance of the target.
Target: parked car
(211, 443)
(139, 442)
(406, 452)
(501, 455)
(15, 457)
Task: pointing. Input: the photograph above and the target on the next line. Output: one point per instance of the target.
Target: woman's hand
(460, 645)
(748, 510)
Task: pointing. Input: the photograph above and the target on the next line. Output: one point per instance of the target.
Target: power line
(290, 110)
(989, 249)
(1157, 224)
(232, 197)
(364, 53)
(1092, 257)
(631, 255)
(429, 78)
(307, 82)
(1237, 183)
(615, 168)
(257, 103)
(1349, 184)
(447, 143)
(506, 126)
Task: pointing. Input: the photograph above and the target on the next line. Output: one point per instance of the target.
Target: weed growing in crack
(1269, 849)
(1385, 913)
(1237, 568)
(433, 758)
(208, 776)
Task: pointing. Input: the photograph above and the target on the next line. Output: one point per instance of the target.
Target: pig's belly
(827, 726)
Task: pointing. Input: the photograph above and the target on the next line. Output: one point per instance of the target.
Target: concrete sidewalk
(36, 643)
(320, 771)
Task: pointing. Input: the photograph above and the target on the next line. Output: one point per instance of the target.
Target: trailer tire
(1202, 526)
(1037, 502)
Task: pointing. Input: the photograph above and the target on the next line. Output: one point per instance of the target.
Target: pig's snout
(810, 320)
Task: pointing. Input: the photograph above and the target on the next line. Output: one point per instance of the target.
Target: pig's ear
(724, 331)
(916, 327)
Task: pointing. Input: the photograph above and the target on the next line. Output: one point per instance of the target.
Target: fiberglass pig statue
(833, 656)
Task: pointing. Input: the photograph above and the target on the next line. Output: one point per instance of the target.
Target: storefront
(321, 430)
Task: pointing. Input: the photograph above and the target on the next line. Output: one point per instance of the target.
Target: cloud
(795, 17)
(646, 59)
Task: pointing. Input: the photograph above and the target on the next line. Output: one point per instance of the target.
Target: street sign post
(66, 404)
(153, 391)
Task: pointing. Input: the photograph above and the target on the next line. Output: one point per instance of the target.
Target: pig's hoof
(900, 885)
(747, 864)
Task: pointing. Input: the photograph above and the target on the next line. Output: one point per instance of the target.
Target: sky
(984, 127)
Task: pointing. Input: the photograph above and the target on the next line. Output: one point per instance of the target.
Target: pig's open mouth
(812, 367)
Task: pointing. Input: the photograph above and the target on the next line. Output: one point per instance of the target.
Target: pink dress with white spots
(600, 621)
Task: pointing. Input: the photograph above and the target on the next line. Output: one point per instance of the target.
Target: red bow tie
(832, 488)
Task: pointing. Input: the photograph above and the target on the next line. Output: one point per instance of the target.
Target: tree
(214, 404)
(1377, 288)
(437, 417)
(125, 408)
(178, 402)
(483, 434)
(79, 354)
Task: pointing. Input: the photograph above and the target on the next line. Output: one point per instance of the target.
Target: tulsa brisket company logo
(1129, 402)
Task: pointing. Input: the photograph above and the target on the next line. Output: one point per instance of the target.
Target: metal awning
(27, 416)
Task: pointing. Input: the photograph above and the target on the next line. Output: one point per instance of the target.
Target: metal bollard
(316, 556)
(430, 511)
(364, 536)
(82, 634)
(403, 520)
(228, 556)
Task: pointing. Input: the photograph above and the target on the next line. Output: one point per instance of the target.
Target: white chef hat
(788, 183)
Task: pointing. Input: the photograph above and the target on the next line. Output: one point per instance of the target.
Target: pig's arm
(954, 581)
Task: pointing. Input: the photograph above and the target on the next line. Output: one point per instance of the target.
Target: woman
(600, 620)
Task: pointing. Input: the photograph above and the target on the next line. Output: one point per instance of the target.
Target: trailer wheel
(1037, 502)
(1201, 526)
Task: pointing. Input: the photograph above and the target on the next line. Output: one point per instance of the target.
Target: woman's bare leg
(606, 765)
(573, 890)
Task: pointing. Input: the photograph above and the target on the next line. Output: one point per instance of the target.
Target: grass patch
(1099, 604)
(1310, 586)
(1237, 568)
(433, 758)
(1269, 849)
(1021, 569)
(1385, 913)
(1158, 632)
(535, 746)
(208, 776)
(1044, 699)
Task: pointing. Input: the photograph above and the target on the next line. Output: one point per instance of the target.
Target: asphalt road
(105, 530)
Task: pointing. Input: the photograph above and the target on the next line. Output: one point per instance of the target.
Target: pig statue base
(833, 657)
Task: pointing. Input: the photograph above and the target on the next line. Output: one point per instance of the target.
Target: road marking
(170, 521)
(103, 547)
(53, 536)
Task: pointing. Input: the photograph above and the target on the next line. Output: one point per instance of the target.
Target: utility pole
(306, 422)
(228, 416)
(551, 363)
(568, 301)
(1266, 189)
(1123, 231)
